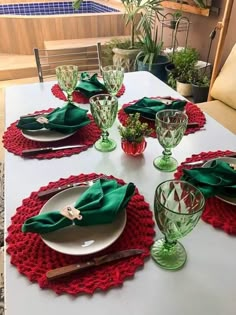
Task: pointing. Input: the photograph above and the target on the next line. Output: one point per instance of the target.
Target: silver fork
(51, 192)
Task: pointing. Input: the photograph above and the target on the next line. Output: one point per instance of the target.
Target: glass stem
(166, 154)
(105, 135)
(169, 245)
(69, 97)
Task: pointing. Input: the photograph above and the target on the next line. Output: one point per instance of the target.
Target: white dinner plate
(230, 160)
(45, 135)
(80, 240)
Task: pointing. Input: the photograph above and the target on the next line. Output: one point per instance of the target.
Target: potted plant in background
(175, 18)
(150, 58)
(135, 13)
(133, 135)
(200, 86)
(181, 76)
(124, 54)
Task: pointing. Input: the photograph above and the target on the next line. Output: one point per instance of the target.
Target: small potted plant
(180, 77)
(175, 18)
(133, 135)
(200, 86)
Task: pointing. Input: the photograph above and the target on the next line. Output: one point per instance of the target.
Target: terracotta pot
(133, 148)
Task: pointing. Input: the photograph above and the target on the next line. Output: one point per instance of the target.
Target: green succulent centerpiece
(134, 130)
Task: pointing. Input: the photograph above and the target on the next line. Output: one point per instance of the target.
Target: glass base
(172, 258)
(105, 146)
(164, 165)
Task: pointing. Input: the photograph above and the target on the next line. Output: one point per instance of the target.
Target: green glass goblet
(170, 128)
(178, 206)
(67, 77)
(113, 77)
(104, 108)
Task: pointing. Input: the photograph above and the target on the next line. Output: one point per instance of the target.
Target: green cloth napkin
(148, 107)
(66, 119)
(218, 178)
(99, 204)
(90, 86)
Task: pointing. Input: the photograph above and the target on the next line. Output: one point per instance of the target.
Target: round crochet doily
(77, 96)
(194, 115)
(218, 213)
(33, 258)
(15, 142)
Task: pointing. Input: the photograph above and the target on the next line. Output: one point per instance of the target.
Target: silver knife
(50, 149)
(200, 162)
(97, 261)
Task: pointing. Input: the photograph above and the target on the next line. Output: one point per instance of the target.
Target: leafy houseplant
(150, 57)
(184, 62)
(138, 10)
(136, 13)
(133, 133)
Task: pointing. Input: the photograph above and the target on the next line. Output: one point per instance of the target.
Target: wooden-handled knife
(97, 261)
(50, 149)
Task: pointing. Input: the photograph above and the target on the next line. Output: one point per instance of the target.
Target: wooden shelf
(185, 8)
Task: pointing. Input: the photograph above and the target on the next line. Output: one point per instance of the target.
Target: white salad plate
(45, 135)
(80, 240)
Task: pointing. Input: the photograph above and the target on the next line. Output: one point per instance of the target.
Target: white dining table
(207, 283)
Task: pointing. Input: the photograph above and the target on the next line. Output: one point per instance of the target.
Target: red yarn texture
(15, 142)
(194, 115)
(33, 258)
(77, 96)
(219, 214)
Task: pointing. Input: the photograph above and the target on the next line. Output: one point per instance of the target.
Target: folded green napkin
(90, 86)
(99, 204)
(218, 178)
(148, 107)
(67, 119)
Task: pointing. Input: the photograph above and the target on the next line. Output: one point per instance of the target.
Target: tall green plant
(151, 46)
(147, 9)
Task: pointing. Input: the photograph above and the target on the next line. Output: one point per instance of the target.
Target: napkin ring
(71, 213)
(42, 120)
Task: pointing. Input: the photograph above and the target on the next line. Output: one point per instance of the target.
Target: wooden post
(223, 26)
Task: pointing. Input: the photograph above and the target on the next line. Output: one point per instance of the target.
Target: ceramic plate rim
(229, 200)
(119, 224)
(56, 136)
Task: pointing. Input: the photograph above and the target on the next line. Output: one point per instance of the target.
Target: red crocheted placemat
(218, 213)
(77, 96)
(15, 142)
(33, 258)
(194, 115)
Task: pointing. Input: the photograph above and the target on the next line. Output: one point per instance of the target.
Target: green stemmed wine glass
(113, 77)
(170, 128)
(104, 108)
(178, 206)
(67, 77)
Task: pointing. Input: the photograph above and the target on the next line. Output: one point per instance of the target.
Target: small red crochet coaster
(194, 115)
(33, 258)
(15, 142)
(218, 213)
(77, 96)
